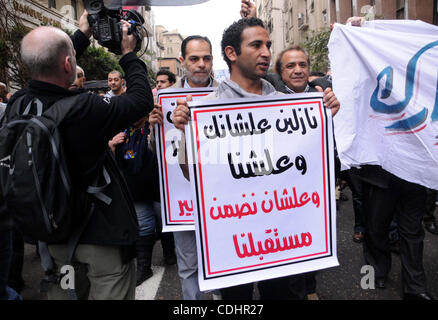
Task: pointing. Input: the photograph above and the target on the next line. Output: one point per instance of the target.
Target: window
(435, 12)
(75, 9)
(52, 4)
(400, 11)
(353, 7)
(291, 17)
(290, 37)
(324, 17)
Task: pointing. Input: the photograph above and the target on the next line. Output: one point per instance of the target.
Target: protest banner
(385, 78)
(262, 173)
(175, 192)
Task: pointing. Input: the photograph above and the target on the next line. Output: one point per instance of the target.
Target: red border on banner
(164, 156)
(195, 112)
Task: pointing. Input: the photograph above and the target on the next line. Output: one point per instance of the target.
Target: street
(338, 283)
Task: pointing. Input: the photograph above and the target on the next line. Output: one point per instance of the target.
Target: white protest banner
(262, 171)
(176, 195)
(385, 78)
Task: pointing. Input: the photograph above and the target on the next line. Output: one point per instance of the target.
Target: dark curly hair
(170, 75)
(232, 36)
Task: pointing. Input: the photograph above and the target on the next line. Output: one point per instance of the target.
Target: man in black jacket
(292, 69)
(106, 249)
(386, 197)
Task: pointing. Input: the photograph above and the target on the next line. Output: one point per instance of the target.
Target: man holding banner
(197, 61)
(292, 71)
(393, 141)
(246, 49)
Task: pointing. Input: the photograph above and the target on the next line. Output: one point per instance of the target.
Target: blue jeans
(148, 215)
(5, 261)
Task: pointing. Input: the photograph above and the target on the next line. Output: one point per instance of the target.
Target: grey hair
(40, 58)
(83, 72)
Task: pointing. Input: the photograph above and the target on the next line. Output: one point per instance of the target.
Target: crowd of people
(115, 132)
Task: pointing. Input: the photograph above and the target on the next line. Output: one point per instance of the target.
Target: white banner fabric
(175, 190)
(385, 76)
(262, 173)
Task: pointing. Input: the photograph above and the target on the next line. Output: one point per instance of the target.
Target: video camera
(107, 27)
(105, 22)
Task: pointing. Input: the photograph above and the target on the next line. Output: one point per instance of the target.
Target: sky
(207, 19)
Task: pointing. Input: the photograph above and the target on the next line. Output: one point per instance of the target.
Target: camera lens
(93, 6)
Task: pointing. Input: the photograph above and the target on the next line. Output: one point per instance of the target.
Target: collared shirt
(109, 94)
(186, 83)
(289, 90)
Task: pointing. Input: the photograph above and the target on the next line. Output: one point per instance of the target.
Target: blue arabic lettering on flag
(386, 78)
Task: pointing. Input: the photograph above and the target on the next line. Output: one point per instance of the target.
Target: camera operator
(104, 259)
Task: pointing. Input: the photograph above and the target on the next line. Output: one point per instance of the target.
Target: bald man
(115, 83)
(104, 259)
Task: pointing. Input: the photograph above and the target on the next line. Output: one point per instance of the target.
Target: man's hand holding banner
(262, 172)
(175, 191)
(385, 76)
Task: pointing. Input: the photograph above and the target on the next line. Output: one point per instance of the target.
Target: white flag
(385, 75)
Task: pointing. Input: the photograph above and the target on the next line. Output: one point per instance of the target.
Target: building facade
(57, 13)
(169, 50)
(271, 12)
(292, 22)
(66, 13)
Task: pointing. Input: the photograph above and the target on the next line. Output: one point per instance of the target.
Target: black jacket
(280, 86)
(375, 175)
(86, 131)
(5, 219)
(139, 165)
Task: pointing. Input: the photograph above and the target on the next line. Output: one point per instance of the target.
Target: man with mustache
(115, 83)
(292, 72)
(197, 61)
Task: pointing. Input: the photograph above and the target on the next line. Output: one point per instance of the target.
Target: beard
(198, 80)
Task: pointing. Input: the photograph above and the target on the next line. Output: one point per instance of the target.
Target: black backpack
(34, 178)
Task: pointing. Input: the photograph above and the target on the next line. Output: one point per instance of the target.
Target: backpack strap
(51, 277)
(73, 243)
(55, 151)
(37, 102)
(10, 106)
(98, 191)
